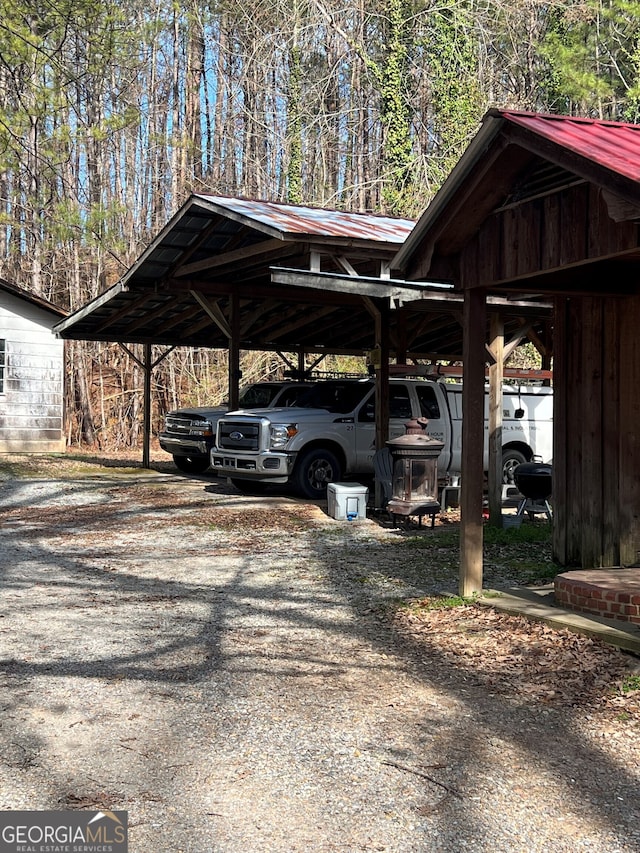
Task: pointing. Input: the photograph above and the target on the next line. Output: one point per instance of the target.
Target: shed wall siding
(32, 400)
(597, 436)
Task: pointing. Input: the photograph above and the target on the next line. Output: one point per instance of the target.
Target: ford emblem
(236, 436)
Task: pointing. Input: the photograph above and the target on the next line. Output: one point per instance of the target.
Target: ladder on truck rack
(435, 371)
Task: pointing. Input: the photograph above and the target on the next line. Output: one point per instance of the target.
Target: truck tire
(510, 460)
(191, 464)
(314, 469)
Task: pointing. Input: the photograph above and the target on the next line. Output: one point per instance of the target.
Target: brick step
(610, 593)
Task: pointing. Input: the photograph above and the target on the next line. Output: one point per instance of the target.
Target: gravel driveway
(236, 675)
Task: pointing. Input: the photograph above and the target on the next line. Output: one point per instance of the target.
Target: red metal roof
(297, 219)
(614, 145)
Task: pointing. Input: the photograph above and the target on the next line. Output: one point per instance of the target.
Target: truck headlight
(200, 428)
(281, 434)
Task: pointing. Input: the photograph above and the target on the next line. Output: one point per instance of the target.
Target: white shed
(31, 373)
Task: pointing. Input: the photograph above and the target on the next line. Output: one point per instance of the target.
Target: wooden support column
(472, 485)
(146, 366)
(146, 428)
(234, 354)
(380, 311)
(382, 376)
(496, 374)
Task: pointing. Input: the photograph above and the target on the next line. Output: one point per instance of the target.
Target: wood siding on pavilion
(546, 234)
(566, 245)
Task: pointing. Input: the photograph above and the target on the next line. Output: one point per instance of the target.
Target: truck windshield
(257, 396)
(336, 397)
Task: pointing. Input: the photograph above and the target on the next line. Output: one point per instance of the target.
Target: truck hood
(291, 414)
(201, 411)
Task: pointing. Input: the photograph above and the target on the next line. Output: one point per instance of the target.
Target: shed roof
(614, 145)
(32, 298)
(295, 219)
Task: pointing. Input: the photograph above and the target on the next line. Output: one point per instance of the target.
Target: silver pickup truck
(330, 433)
(189, 434)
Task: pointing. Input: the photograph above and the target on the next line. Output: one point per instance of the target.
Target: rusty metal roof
(289, 219)
(283, 266)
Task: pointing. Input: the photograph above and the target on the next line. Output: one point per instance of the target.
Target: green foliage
(455, 93)
(525, 356)
(593, 51)
(630, 684)
(523, 552)
(294, 127)
(395, 111)
(526, 534)
(439, 602)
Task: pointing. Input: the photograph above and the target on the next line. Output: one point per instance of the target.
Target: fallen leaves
(523, 659)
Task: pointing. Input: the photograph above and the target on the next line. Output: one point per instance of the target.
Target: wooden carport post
(234, 354)
(380, 310)
(471, 493)
(496, 374)
(146, 365)
(146, 429)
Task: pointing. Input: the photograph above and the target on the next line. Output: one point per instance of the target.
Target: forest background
(113, 111)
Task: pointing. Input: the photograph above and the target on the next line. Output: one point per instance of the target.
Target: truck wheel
(314, 469)
(192, 464)
(510, 461)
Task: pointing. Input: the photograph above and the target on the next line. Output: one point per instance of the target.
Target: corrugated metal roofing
(614, 145)
(297, 219)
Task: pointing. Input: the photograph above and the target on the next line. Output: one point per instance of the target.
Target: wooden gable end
(571, 227)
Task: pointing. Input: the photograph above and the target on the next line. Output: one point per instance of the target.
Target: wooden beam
(471, 492)
(214, 312)
(354, 284)
(265, 249)
(381, 321)
(146, 408)
(234, 353)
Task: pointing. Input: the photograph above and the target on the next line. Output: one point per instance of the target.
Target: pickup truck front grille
(186, 424)
(238, 435)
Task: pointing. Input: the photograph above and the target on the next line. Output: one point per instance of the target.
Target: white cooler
(347, 501)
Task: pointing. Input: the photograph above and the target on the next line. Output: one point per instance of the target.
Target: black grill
(533, 480)
(238, 435)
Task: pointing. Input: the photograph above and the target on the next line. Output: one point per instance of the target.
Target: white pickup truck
(330, 433)
(189, 433)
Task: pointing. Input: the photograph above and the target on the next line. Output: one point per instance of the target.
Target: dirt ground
(249, 674)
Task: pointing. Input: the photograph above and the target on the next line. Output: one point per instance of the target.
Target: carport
(549, 207)
(253, 275)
